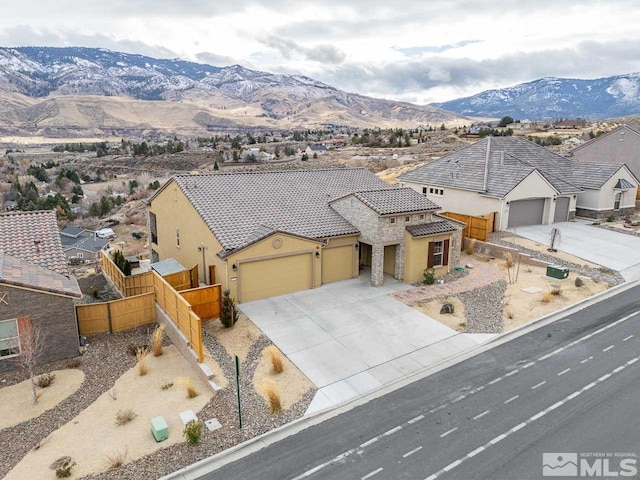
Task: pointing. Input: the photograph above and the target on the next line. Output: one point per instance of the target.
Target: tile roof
(510, 160)
(594, 175)
(432, 228)
(402, 200)
(18, 272)
(237, 206)
(74, 231)
(33, 237)
(88, 244)
(623, 184)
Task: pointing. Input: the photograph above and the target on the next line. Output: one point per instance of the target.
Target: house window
(392, 220)
(407, 219)
(436, 191)
(178, 237)
(9, 339)
(153, 227)
(616, 201)
(424, 191)
(438, 253)
(421, 217)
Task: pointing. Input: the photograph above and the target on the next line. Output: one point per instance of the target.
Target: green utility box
(556, 271)
(159, 429)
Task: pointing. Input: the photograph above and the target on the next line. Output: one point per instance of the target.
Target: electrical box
(556, 271)
(159, 429)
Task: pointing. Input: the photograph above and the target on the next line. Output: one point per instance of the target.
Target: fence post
(109, 317)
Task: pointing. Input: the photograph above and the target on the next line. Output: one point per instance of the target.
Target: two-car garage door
(526, 212)
(274, 276)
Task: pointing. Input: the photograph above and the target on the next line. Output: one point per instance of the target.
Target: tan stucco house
(522, 183)
(262, 234)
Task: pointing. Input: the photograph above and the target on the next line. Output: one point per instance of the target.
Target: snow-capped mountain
(48, 80)
(551, 98)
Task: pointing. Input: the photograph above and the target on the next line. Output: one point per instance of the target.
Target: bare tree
(31, 347)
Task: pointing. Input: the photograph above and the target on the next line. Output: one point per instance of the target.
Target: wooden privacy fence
(204, 301)
(183, 280)
(117, 315)
(130, 285)
(477, 227)
(179, 310)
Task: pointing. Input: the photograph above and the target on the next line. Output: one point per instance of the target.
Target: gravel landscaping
(105, 361)
(483, 308)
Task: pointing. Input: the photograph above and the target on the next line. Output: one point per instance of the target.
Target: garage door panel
(274, 276)
(337, 264)
(562, 210)
(526, 212)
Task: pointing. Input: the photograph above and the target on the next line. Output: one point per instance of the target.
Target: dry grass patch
(270, 390)
(156, 340)
(141, 355)
(117, 459)
(125, 416)
(547, 297)
(187, 384)
(275, 357)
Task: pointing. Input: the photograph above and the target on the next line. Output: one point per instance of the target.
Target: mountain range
(551, 98)
(87, 91)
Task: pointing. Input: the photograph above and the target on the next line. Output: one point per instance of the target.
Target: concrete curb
(255, 444)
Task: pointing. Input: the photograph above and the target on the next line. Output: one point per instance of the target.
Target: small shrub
(64, 470)
(141, 355)
(429, 276)
(610, 218)
(117, 459)
(579, 282)
(132, 349)
(93, 292)
(156, 340)
(276, 359)
(125, 416)
(555, 289)
(509, 314)
(471, 246)
(167, 386)
(43, 381)
(187, 384)
(547, 297)
(193, 432)
(462, 325)
(273, 396)
(74, 363)
(228, 311)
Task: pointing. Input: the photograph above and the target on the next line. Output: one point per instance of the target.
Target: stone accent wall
(53, 314)
(399, 273)
(572, 215)
(587, 213)
(456, 241)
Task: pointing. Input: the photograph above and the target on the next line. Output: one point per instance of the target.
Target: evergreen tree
(228, 311)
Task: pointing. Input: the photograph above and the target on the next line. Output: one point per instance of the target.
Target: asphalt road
(571, 386)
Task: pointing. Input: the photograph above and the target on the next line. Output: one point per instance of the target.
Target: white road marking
(475, 452)
(563, 372)
(512, 372)
(416, 419)
(511, 399)
(392, 431)
(587, 387)
(604, 377)
(411, 452)
(456, 400)
(527, 365)
(573, 395)
(548, 355)
(538, 385)
(627, 338)
(498, 438)
(448, 432)
(621, 367)
(518, 427)
(369, 475)
(453, 465)
(495, 380)
(481, 415)
(608, 348)
(586, 360)
(440, 407)
(370, 442)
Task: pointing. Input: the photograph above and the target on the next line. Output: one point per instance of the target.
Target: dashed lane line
(627, 338)
(608, 348)
(511, 399)
(448, 432)
(411, 452)
(563, 372)
(486, 412)
(538, 385)
(375, 472)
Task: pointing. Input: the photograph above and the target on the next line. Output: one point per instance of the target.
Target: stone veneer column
(455, 249)
(399, 273)
(377, 265)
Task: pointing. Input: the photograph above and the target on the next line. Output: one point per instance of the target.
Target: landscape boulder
(447, 308)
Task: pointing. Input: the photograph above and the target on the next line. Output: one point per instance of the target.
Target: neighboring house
(82, 248)
(316, 149)
(621, 145)
(76, 232)
(262, 234)
(523, 184)
(35, 288)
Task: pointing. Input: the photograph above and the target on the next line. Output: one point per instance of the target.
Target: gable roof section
(624, 127)
(623, 184)
(74, 232)
(235, 206)
(400, 200)
(33, 237)
(88, 244)
(433, 228)
(20, 273)
(594, 175)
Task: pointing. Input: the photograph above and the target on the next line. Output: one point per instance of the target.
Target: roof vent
(37, 245)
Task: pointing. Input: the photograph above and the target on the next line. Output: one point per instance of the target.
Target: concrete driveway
(350, 338)
(617, 251)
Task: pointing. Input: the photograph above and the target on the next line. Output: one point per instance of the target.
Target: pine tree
(228, 312)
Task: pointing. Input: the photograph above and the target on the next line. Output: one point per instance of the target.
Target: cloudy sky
(413, 50)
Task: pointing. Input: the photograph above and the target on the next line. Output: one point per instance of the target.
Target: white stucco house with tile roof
(522, 184)
(267, 233)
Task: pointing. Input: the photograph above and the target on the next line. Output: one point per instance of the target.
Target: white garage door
(526, 212)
